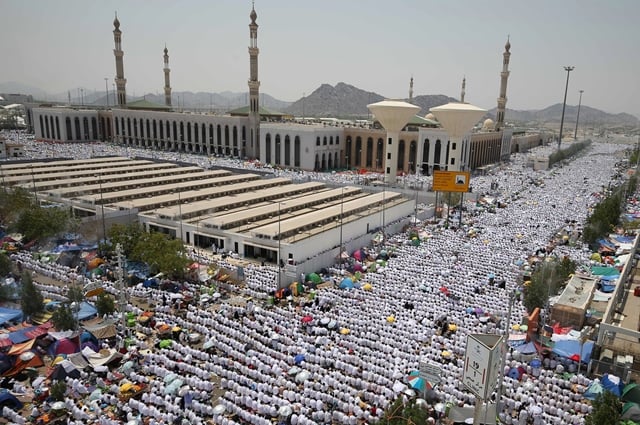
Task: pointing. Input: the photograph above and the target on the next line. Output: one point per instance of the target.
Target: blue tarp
(610, 277)
(568, 348)
(612, 384)
(86, 311)
(8, 314)
(528, 348)
(346, 283)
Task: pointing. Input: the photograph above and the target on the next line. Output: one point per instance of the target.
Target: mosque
(302, 227)
(256, 133)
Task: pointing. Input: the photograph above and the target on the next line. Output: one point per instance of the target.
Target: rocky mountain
(347, 101)
(551, 115)
(343, 100)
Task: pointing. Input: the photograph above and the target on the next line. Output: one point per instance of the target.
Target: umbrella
(58, 405)
(391, 319)
(418, 383)
(95, 395)
(332, 324)
(299, 358)
(367, 287)
(324, 321)
(165, 343)
(315, 278)
(345, 331)
(307, 319)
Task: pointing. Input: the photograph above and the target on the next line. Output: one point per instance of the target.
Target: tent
(612, 384)
(570, 348)
(23, 362)
(631, 393)
(63, 369)
(593, 390)
(9, 314)
(346, 283)
(314, 277)
(9, 400)
(63, 346)
(631, 412)
(86, 311)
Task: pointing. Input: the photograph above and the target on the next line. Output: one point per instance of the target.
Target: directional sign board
(430, 372)
(451, 181)
(481, 363)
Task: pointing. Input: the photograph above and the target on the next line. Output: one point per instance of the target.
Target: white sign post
(430, 372)
(482, 364)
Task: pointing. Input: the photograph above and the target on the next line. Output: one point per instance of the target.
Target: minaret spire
(167, 85)
(251, 149)
(411, 90)
(120, 81)
(464, 85)
(504, 75)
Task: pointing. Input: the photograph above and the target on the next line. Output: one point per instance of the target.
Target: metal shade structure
(457, 119)
(393, 115)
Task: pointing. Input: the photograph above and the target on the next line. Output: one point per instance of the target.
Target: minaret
(167, 85)
(504, 75)
(464, 85)
(411, 90)
(118, 53)
(250, 149)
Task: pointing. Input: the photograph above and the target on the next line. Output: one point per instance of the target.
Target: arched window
(181, 131)
(401, 155)
(347, 153)
(318, 141)
(94, 128)
(117, 127)
(68, 128)
(412, 156)
(324, 141)
(278, 158)
(189, 132)
(175, 131)
(331, 140)
(148, 133)
(227, 141)
(234, 134)
(296, 151)
(437, 152)
(76, 121)
(196, 136)
(267, 148)
(369, 154)
(58, 129)
(287, 150)
(155, 129)
(358, 152)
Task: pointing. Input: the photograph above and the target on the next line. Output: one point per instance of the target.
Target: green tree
(31, 300)
(105, 304)
(41, 223)
(12, 203)
(5, 264)
(162, 254)
(57, 390)
(607, 410)
(400, 413)
(75, 294)
(127, 235)
(63, 318)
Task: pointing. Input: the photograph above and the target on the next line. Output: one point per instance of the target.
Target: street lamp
(33, 181)
(341, 215)
(104, 227)
(564, 103)
(575, 134)
(180, 212)
(278, 267)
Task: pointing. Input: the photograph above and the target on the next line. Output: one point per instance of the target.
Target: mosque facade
(421, 148)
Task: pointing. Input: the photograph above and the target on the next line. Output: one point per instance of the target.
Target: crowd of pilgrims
(263, 358)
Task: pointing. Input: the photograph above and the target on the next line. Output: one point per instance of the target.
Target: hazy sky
(375, 45)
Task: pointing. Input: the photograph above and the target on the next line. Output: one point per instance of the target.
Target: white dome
(430, 116)
(488, 124)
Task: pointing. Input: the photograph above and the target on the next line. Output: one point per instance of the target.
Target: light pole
(33, 181)
(104, 227)
(575, 134)
(278, 256)
(180, 212)
(106, 89)
(564, 103)
(341, 215)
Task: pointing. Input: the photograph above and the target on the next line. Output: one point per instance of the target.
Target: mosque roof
(145, 104)
(244, 111)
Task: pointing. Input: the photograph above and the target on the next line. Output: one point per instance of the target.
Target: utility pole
(564, 103)
(575, 134)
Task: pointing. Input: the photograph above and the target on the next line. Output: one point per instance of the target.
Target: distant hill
(347, 101)
(552, 115)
